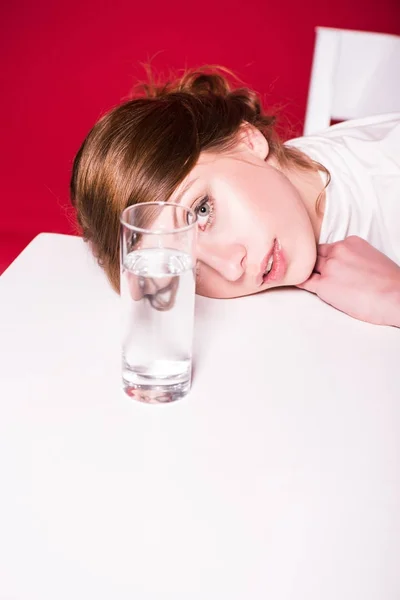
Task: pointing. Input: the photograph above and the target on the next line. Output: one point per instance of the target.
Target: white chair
(354, 74)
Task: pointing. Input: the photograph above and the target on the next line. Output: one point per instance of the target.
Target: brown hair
(141, 150)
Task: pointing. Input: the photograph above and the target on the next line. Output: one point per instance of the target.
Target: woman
(321, 213)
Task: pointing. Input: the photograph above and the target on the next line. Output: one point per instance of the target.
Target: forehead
(207, 164)
(194, 178)
(205, 160)
(170, 217)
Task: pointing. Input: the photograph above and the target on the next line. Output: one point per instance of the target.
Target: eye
(204, 211)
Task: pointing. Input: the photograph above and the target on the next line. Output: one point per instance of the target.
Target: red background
(66, 62)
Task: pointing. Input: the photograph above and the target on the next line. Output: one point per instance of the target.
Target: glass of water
(158, 260)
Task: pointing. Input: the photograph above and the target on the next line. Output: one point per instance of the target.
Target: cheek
(301, 262)
(287, 206)
(269, 201)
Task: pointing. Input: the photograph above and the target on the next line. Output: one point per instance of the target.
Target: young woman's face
(254, 230)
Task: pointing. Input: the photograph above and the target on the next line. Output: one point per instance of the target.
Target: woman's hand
(357, 279)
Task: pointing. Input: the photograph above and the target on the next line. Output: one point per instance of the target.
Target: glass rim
(158, 231)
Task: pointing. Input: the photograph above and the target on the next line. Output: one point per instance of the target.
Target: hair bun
(212, 82)
(242, 100)
(201, 83)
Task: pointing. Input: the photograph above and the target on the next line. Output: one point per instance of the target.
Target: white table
(277, 478)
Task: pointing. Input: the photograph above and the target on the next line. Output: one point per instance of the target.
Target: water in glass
(157, 292)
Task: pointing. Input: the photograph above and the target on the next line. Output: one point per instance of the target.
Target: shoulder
(372, 128)
(373, 142)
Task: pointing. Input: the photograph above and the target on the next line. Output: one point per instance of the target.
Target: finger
(311, 284)
(320, 264)
(324, 249)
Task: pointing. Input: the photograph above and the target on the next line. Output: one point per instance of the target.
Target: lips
(279, 265)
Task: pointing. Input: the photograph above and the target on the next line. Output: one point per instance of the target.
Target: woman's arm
(357, 279)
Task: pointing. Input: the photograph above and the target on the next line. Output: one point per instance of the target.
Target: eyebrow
(185, 190)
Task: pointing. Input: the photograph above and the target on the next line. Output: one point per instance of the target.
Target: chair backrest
(354, 74)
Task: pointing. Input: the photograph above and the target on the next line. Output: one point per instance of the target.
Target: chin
(304, 274)
(301, 271)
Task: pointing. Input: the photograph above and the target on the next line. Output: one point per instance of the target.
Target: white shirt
(363, 197)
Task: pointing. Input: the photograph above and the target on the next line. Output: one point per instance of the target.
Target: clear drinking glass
(158, 242)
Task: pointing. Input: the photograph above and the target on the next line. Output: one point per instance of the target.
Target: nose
(229, 260)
